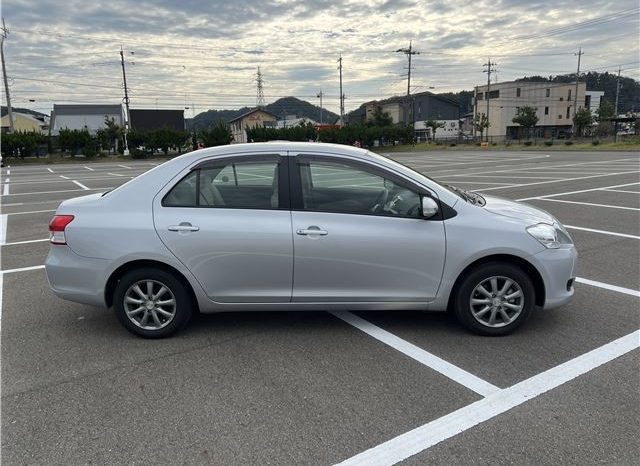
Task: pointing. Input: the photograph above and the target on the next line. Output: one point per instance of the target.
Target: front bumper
(76, 278)
(558, 268)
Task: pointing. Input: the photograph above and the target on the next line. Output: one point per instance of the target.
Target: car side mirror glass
(429, 207)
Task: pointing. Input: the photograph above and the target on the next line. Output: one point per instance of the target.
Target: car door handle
(184, 226)
(312, 231)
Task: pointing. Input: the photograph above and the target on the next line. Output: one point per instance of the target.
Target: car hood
(517, 210)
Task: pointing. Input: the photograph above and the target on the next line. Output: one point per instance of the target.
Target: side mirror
(429, 207)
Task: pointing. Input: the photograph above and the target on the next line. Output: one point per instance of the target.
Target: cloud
(206, 53)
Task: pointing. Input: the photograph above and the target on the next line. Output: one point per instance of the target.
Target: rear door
(228, 221)
(359, 235)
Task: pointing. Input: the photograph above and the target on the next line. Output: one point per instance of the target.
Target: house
(290, 121)
(90, 117)
(150, 119)
(26, 122)
(257, 117)
(417, 109)
(555, 104)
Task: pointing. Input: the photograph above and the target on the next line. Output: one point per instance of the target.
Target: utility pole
(617, 91)
(490, 69)
(615, 115)
(259, 89)
(409, 52)
(341, 94)
(5, 32)
(575, 105)
(126, 103)
(320, 94)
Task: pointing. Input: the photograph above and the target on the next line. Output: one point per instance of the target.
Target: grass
(628, 144)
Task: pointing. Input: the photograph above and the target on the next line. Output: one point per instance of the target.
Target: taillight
(56, 227)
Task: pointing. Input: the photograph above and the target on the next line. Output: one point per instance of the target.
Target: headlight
(545, 234)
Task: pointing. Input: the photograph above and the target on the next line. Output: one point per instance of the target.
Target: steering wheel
(380, 201)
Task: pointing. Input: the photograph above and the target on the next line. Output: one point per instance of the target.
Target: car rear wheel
(494, 299)
(152, 303)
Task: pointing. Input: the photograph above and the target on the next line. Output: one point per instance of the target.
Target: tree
(480, 123)
(434, 125)
(606, 111)
(582, 120)
(526, 117)
(380, 118)
(217, 135)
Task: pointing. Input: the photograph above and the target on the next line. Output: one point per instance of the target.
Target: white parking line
(577, 192)
(606, 286)
(88, 168)
(455, 373)
(124, 166)
(604, 232)
(622, 191)
(15, 243)
(62, 191)
(31, 212)
(588, 203)
(50, 170)
(115, 174)
(417, 440)
(560, 181)
(63, 177)
(80, 184)
(22, 269)
(3, 228)
(5, 189)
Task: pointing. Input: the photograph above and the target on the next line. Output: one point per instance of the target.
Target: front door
(359, 236)
(229, 223)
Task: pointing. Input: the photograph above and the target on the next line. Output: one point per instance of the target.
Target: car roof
(283, 146)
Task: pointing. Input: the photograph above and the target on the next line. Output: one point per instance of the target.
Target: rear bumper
(76, 278)
(558, 268)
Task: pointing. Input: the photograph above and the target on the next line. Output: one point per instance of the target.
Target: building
(90, 117)
(290, 121)
(26, 122)
(251, 119)
(417, 109)
(555, 104)
(150, 119)
(592, 100)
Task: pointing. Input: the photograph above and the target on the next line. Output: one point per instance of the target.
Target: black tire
(466, 291)
(182, 307)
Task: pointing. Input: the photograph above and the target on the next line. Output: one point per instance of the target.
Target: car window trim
(284, 197)
(297, 201)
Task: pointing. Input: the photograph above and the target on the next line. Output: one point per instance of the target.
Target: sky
(205, 54)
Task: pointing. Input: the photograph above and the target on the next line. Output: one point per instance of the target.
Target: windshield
(468, 196)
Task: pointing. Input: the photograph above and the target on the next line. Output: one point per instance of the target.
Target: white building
(555, 104)
(290, 121)
(592, 101)
(90, 117)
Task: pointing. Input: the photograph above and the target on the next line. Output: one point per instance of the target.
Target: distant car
(304, 226)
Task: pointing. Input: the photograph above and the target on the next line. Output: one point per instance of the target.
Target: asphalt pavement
(318, 388)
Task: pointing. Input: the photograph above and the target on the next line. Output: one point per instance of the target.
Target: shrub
(548, 143)
(527, 143)
(568, 143)
(453, 144)
(494, 143)
(595, 142)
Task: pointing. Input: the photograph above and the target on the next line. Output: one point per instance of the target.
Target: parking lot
(325, 388)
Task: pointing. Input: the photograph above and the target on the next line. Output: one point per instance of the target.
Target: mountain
(281, 108)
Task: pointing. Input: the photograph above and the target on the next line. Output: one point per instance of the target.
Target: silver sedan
(304, 226)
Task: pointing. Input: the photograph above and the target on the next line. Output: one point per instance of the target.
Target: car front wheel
(152, 303)
(494, 299)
